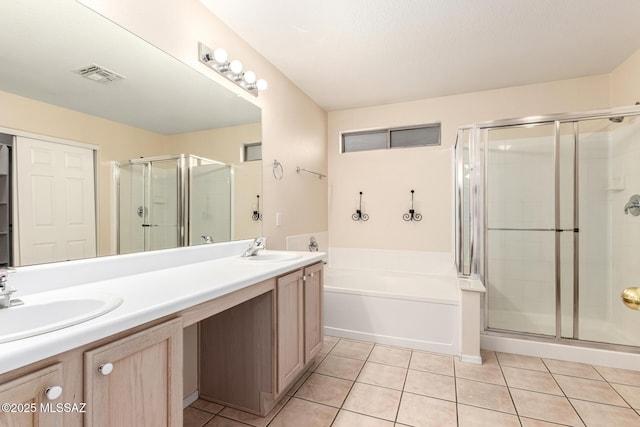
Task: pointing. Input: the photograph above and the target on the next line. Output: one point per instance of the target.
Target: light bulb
(249, 77)
(220, 55)
(235, 66)
(261, 84)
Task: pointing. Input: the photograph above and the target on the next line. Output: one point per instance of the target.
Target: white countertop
(148, 295)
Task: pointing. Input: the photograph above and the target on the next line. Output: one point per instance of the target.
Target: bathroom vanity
(260, 327)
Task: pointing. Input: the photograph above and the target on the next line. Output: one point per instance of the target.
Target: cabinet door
(137, 380)
(313, 295)
(27, 395)
(290, 328)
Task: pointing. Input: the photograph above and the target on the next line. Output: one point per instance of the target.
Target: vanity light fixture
(218, 59)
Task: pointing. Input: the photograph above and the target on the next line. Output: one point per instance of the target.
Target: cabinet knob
(311, 274)
(54, 392)
(105, 368)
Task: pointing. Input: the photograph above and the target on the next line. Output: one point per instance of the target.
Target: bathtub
(407, 309)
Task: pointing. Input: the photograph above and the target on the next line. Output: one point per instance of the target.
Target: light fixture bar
(218, 60)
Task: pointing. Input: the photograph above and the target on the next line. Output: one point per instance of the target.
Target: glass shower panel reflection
(608, 159)
(162, 229)
(520, 234)
(211, 203)
(131, 207)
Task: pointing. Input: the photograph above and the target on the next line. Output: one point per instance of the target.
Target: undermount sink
(272, 256)
(50, 311)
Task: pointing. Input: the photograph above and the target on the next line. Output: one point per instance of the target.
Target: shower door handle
(150, 225)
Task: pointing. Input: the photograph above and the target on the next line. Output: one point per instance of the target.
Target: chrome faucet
(6, 290)
(258, 244)
(207, 239)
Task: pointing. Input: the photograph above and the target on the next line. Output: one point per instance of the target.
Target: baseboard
(471, 359)
(190, 399)
(434, 347)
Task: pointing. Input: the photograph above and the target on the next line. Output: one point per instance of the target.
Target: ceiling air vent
(98, 74)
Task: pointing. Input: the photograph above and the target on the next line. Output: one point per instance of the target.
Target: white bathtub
(412, 310)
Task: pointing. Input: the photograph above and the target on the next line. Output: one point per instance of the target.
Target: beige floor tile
(375, 401)
(530, 422)
(317, 361)
(488, 357)
(251, 419)
(523, 362)
(353, 349)
(526, 379)
(192, 417)
(329, 343)
(572, 369)
(341, 367)
(487, 373)
(299, 383)
(351, 419)
(545, 407)
(298, 412)
(382, 375)
(470, 416)
(430, 384)
(484, 395)
(591, 390)
(203, 405)
(324, 389)
(437, 363)
(390, 356)
(597, 414)
(629, 393)
(620, 376)
(423, 411)
(224, 422)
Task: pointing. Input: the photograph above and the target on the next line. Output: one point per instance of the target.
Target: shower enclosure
(171, 201)
(545, 217)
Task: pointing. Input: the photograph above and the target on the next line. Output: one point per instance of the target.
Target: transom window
(415, 136)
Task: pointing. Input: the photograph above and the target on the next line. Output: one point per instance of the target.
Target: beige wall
(387, 176)
(116, 142)
(293, 126)
(625, 82)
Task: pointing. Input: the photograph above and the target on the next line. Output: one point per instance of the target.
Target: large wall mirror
(164, 140)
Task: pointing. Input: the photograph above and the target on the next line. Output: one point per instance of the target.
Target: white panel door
(56, 201)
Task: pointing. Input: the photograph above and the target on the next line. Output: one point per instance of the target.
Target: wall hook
(412, 215)
(359, 216)
(257, 216)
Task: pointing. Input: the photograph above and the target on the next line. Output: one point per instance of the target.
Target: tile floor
(360, 384)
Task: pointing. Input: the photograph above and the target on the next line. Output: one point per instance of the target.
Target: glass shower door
(162, 226)
(148, 205)
(520, 241)
(609, 176)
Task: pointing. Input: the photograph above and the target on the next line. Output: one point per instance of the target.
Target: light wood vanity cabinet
(253, 344)
(252, 353)
(313, 311)
(29, 397)
(290, 324)
(136, 380)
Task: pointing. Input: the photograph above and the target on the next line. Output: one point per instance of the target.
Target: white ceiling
(354, 53)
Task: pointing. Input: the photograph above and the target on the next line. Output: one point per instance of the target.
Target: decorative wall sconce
(359, 216)
(412, 215)
(257, 216)
(218, 60)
